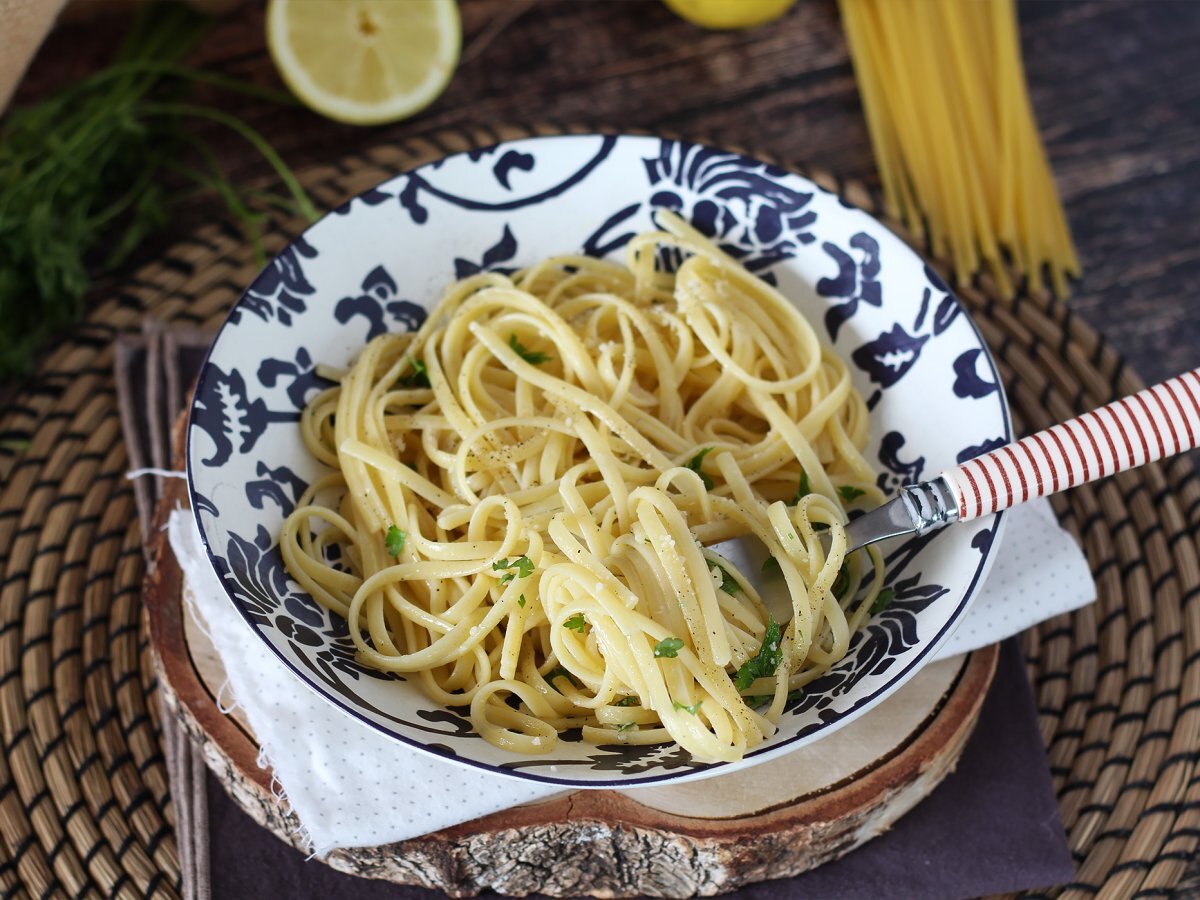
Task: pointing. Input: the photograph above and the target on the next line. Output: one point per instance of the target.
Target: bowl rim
(696, 771)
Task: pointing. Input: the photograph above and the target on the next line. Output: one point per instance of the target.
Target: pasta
(955, 139)
(525, 495)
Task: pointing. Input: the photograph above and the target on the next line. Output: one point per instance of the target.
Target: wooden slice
(774, 820)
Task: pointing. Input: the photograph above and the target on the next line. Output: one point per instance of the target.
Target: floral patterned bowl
(380, 260)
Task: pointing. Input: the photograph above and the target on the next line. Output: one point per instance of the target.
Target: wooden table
(1116, 89)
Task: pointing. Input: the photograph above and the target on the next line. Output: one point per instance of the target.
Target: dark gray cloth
(991, 827)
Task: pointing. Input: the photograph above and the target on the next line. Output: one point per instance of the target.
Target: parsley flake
(693, 709)
(728, 583)
(804, 490)
(628, 701)
(842, 582)
(767, 660)
(523, 565)
(521, 601)
(695, 465)
(668, 647)
(770, 566)
(395, 541)
(575, 623)
(625, 726)
(530, 356)
(883, 601)
(560, 672)
(419, 377)
(850, 493)
(755, 701)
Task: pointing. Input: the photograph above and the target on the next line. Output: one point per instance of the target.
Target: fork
(1160, 421)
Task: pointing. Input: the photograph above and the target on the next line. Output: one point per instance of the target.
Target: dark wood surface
(1115, 85)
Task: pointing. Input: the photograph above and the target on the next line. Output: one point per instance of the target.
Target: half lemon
(365, 62)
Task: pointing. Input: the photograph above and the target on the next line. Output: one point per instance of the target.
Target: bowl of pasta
(538, 458)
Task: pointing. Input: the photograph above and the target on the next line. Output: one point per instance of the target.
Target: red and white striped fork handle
(1155, 423)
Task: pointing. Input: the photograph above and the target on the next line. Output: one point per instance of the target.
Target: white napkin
(329, 766)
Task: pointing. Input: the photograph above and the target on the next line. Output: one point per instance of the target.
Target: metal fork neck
(930, 503)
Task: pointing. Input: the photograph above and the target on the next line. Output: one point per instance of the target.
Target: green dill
(728, 583)
(850, 493)
(419, 377)
(395, 540)
(765, 662)
(89, 175)
(575, 623)
(628, 701)
(530, 356)
(883, 601)
(804, 490)
(668, 648)
(695, 465)
(693, 709)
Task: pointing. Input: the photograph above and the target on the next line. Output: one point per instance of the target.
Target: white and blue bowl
(379, 263)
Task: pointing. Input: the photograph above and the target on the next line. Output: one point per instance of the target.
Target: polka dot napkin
(329, 766)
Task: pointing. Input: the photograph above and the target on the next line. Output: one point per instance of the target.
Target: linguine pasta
(525, 495)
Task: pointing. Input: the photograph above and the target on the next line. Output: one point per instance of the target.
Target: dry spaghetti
(955, 138)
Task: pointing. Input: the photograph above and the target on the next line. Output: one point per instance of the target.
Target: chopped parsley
(850, 493)
(530, 356)
(728, 584)
(419, 377)
(560, 672)
(668, 647)
(770, 566)
(625, 726)
(769, 656)
(842, 582)
(804, 490)
(695, 465)
(693, 709)
(755, 701)
(575, 623)
(521, 601)
(628, 701)
(523, 565)
(883, 601)
(395, 540)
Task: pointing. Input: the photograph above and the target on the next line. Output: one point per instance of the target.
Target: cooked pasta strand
(521, 488)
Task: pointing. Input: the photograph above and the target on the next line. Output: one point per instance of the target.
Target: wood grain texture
(1114, 85)
(671, 841)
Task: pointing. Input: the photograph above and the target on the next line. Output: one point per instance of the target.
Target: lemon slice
(365, 61)
(720, 15)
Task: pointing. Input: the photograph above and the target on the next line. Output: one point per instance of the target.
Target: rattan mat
(84, 804)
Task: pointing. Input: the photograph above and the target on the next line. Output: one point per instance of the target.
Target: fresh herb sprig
(533, 357)
(90, 174)
(763, 663)
(696, 463)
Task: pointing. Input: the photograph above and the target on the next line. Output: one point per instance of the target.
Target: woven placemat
(84, 805)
